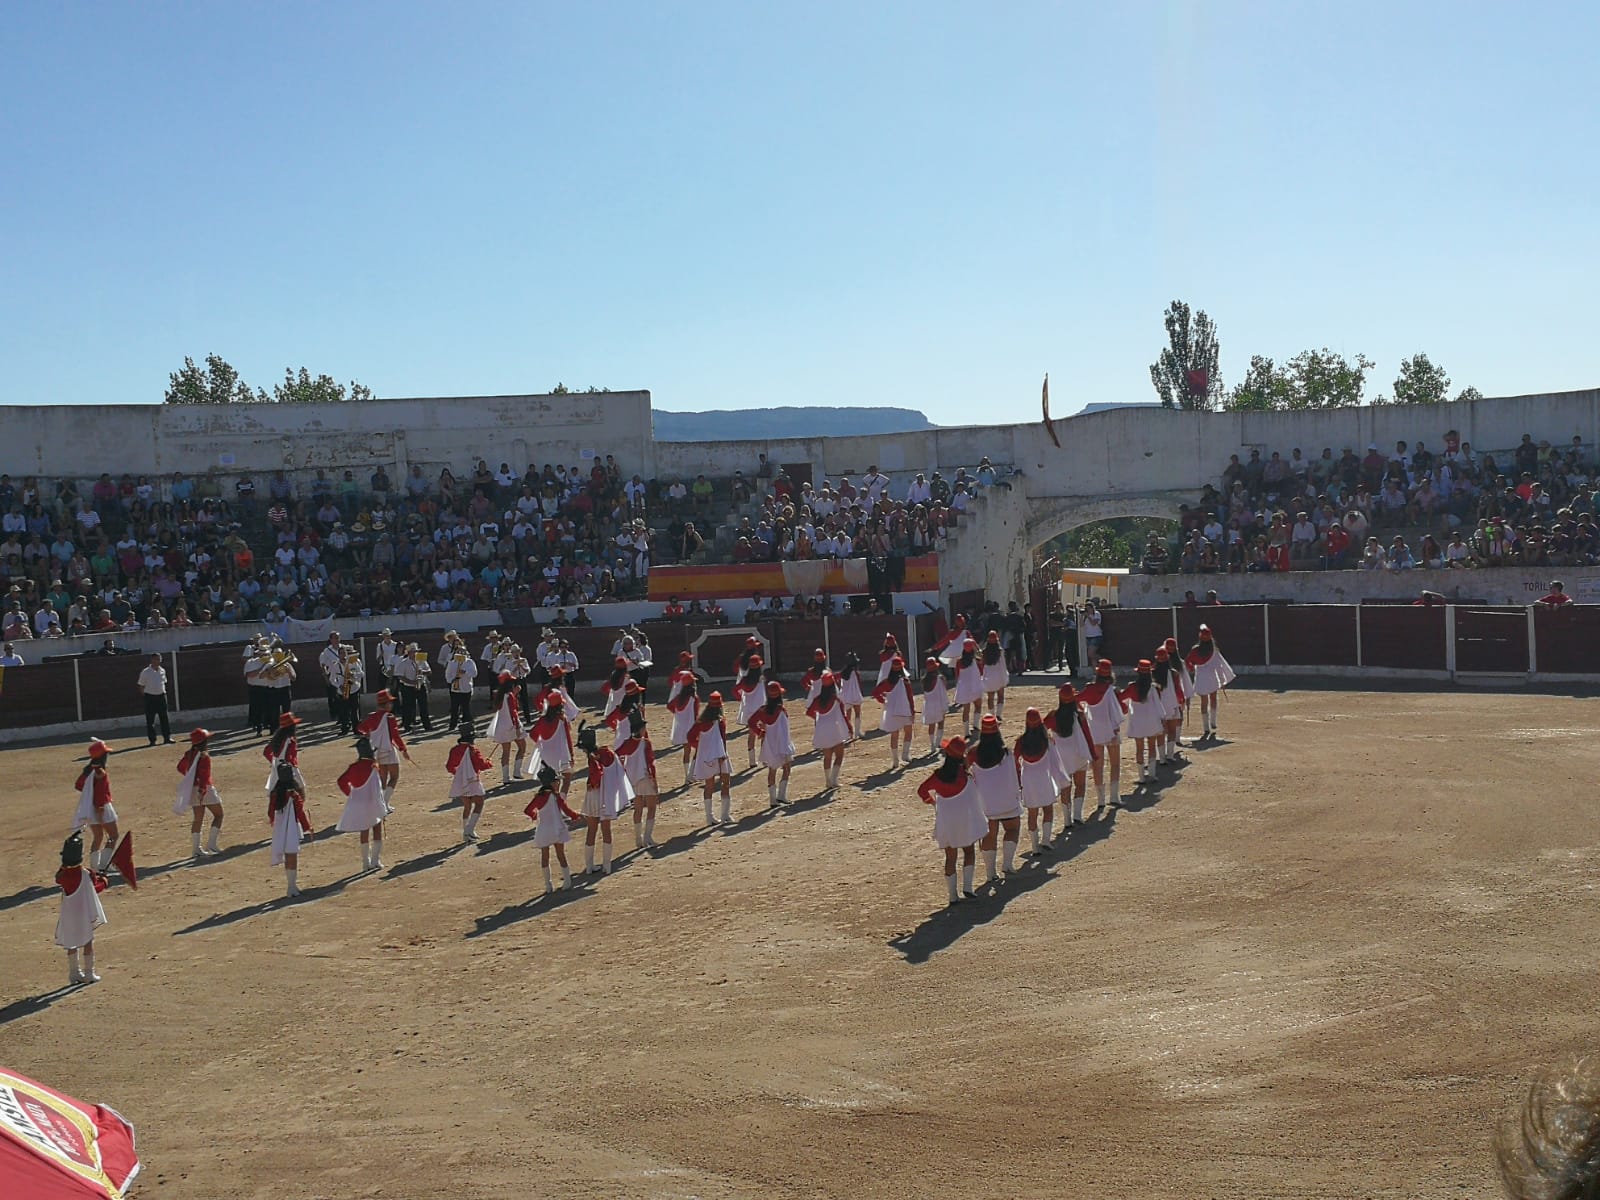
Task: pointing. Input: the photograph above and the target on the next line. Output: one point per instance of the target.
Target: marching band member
(387, 651)
(284, 747)
(899, 708)
(286, 811)
(1180, 671)
(488, 657)
(708, 742)
(459, 674)
(556, 690)
(770, 723)
(331, 662)
(607, 794)
(1106, 718)
(505, 728)
(751, 693)
(366, 802)
(890, 651)
(620, 722)
(935, 703)
(812, 679)
(636, 649)
(831, 729)
(405, 682)
(81, 912)
(198, 794)
(382, 731)
(1170, 691)
(612, 688)
(277, 678)
(254, 663)
(519, 670)
(1037, 777)
(994, 774)
(848, 680)
(344, 677)
(948, 648)
(1074, 750)
(550, 814)
(1211, 674)
(639, 760)
(423, 682)
(741, 664)
(995, 674)
(683, 702)
(1146, 715)
(552, 738)
(94, 806)
(958, 820)
(969, 682)
(464, 763)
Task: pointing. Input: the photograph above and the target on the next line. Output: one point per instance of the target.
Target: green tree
(1420, 382)
(1323, 379)
(301, 388)
(216, 383)
(560, 389)
(1115, 543)
(1469, 393)
(1185, 375)
(1265, 388)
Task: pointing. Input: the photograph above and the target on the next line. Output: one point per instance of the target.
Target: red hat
(756, 661)
(752, 640)
(820, 654)
(1033, 718)
(1145, 666)
(384, 697)
(1172, 645)
(1066, 693)
(714, 698)
(1103, 667)
(989, 724)
(557, 672)
(1161, 653)
(932, 663)
(897, 661)
(955, 747)
(994, 635)
(98, 749)
(774, 688)
(196, 736)
(970, 643)
(507, 677)
(685, 657)
(827, 679)
(619, 661)
(888, 640)
(287, 721)
(1205, 633)
(631, 688)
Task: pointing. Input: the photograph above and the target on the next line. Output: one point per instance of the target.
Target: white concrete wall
(1499, 585)
(157, 439)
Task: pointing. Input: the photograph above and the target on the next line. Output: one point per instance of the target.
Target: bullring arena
(1320, 955)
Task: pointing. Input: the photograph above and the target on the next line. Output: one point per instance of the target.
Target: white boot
(194, 844)
(950, 887)
(546, 872)
(366, 857)
(649, 830)
(966, 877)
(74, 972)
(686, 769)
(750, 758)
(1033, 840)
(1116, 791)
(471, 829)
(605, 857)
(588, 858)
(711, 816)
(1045, 834)
(1077, 809)
(505, 774)
(377, 854)
(772, 795)
(1010, 848)
(90, 975)
(783, 790)
(566, 876)
(211, 842)
(1099, 794)
(727, 809)
(388, 799)
(291, 888)
(638, 835)
(990, 874)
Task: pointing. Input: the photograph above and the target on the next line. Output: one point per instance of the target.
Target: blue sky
(741, 205)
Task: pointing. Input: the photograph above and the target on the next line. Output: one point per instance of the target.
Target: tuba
(278, 659)
(352, 659)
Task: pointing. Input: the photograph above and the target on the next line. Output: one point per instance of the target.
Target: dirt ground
(1320, 960)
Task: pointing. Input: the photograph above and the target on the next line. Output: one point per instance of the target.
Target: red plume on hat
(714, 698)
(98, 749)
(1103, 667)
(1205, 633)
(774, 688)
(1066, 693)
(989, 724)
(955, 747)
(1145, 666)
(1033, 717)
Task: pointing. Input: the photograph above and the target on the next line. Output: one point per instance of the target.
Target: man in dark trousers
(153, 683)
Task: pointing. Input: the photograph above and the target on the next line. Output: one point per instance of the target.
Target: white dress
(935, 703)
(554, 751)
(883, 666)
(612, 796)
(1106, 718)
(364, 807)
(850, 689)
(383, 748)
(997, 789)
(958, 820)
(749, 702)
(1211, 676)
(1145, 716)
(1041, 781)
(186, 798)
(614, 697)
(682, 722)
(86, 814)
(285, 833)
(969, 683)
(464, 780)
(1073, 753)
(899, 710)
(638, 769)
(710, 755)
(996, 676)
(831, 729)
(1171, 710)
(551, 827)
(80, 915)
(777, 746)
(504, 727)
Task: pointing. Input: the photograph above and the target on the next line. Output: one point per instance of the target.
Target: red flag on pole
(122, 860)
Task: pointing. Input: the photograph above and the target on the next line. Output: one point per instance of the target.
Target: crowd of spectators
(1533, 506)
(136, 553)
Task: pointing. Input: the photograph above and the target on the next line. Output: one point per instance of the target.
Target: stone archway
(1051, 517)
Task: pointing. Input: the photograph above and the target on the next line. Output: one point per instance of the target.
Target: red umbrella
(53, 1147)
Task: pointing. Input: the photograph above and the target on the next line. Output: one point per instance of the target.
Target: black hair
(1202, 649)
(1163, 669)
(1066, 714)
(950, 769)
(827, 693)
(991, 749)
(282, 787)
(993, 652)
(280, 739)
(773, 704)
(851, 662)
(1142, 684)
(1034, 739)
(586, 738)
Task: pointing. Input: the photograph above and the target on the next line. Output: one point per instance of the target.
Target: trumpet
(278, 660)
(352, 659)
(424, 667)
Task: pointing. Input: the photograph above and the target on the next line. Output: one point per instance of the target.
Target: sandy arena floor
(1320, 963)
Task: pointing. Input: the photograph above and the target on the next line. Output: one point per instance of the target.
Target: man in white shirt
(153, 685)
(331, 661)
(387, 649)
(9, 656)
(459, 673)
(919, 492)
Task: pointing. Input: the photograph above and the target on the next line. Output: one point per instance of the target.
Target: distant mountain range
(750, 424)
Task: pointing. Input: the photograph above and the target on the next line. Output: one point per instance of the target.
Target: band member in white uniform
(466, 764)
(459, 673)
(1106, 719)
(550, 814)
(994, 773)
(935, 702)
(969, 683)
(958, 820)
(365, 805)
(770, 723)
(1074, 750)
(81, 913)
(847, 679)
(996, 675)
(1038, 777)
(890, 651)
(382, 731)
(639, 760)
(899, 709)
(94, 806)
(812, 679)
(197, 793)
(551, 735)
(287, 814)
(831, 730)
(1211, 674)
(1146, 715)
(751, 693)
(708, 742)
(505, 728)
(607, 794)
